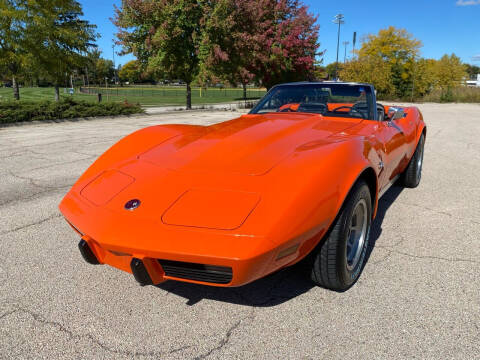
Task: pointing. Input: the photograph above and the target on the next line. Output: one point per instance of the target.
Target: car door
(407, 125)
(393, 152)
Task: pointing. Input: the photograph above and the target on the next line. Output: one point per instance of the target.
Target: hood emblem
(132, 204)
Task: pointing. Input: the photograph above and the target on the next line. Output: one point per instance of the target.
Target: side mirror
(395, 113)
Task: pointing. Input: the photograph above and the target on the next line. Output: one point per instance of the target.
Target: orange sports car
(298, 177)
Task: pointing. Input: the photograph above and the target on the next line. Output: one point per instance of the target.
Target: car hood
(192, 178)
(249, 145)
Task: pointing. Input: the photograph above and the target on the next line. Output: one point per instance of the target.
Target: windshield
(328, 99)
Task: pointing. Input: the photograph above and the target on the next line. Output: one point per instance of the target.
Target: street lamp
(339, 19)
(345, 43)
(114, 74)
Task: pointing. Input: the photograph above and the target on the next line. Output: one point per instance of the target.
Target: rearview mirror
(395, 113)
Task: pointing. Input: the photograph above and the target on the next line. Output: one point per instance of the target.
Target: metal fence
(142, 91)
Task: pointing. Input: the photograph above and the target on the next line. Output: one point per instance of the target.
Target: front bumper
(139, 245)
(149, 270)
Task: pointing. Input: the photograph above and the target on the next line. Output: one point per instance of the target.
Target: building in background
(474, 83)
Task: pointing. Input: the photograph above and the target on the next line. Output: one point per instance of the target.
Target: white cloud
(476, 57)
(467, 2)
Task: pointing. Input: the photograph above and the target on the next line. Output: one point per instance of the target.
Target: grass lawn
(146, 96)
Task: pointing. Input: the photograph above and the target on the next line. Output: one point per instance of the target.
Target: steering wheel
(351, 109)
(289, 107)
(317, 108)
(336, 110)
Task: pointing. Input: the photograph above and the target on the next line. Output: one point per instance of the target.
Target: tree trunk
(189, 96)
(16, 92)
(244, 92)
(88, 80)
(57, 93)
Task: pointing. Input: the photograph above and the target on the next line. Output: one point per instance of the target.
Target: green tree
(372, 70)
(449, 72)
(97, 68)
(13, 43)
(130, 72)
(104, 70)
(59, 37)
(226, 50)
(399, 50)
(423, 77)
(332, 68)
(164, 35)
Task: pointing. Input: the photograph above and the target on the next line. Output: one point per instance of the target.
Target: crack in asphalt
(226, 338)
(431, 257)
(391, 249)
(71, 336)
(31, 224)
(29, 179)
(31, 196)
(7, 314)
(18, 153)
(62, 163)
(70, 142)
(438, 212)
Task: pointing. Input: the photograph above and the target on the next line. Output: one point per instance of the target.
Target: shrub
(461, 94)
(16, 111)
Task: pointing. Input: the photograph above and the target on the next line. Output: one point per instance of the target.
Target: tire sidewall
(419, 153)
(349, 277)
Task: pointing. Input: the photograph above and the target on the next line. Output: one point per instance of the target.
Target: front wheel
(413, 173)
(338, 262)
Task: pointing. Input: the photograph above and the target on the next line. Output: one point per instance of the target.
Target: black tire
(330, 267)
(413, 173)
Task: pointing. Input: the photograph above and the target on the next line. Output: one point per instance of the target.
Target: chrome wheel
(357, 234)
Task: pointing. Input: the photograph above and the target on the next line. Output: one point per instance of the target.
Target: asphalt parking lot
(418, 297)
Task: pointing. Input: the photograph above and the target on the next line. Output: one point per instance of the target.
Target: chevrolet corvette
(297, 178)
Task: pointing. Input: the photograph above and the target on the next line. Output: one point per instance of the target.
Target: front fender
(314, 184)
(129, 147)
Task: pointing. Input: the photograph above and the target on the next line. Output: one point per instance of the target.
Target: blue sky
(444, 26)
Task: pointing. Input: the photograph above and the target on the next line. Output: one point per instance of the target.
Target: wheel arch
(370, 177)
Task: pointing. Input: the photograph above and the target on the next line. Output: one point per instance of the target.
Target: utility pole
(114, 73)
(338, 20)
(354, 41)
(413, 77)
(345, 43)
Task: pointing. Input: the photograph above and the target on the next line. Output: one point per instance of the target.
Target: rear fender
(421, 128)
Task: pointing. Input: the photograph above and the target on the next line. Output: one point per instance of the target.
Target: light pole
(345, 43)
(114, 73)
(354, 41)
(338, 20)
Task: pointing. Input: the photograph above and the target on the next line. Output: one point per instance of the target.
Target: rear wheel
(413, 173)
(338, 262)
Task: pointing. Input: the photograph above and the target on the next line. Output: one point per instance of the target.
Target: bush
(16, 111)
(461, 94)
